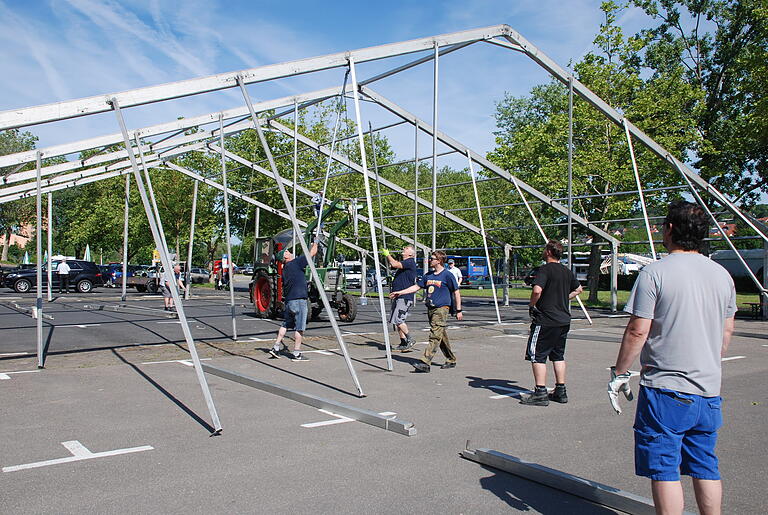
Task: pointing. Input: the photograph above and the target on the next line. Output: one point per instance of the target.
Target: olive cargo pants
(438, 336)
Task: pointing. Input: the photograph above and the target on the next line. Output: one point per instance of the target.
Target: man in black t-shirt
(401, 306)
(553, 287)
(295, 294)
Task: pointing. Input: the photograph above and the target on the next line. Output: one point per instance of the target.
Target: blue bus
(474, 269)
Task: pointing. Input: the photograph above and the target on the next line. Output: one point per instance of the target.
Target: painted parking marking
(510, 336)
(731, 358)
(261, 339)
(79, 453)
(340, 419)
(349, 333)
(81, 326)
(325, 352)
(6, 375)
(171, 322)
(185, 362)
(512, 391)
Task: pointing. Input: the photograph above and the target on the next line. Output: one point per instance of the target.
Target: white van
(353, 273)
(728, 260)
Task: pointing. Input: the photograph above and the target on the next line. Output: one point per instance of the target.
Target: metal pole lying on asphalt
(226, 228)
(125, 237)
(485, 239)
(297, 230)
(191, 240)
(38, 266)
(166, 260)
(374, 241)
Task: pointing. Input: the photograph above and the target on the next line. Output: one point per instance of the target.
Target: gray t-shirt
(688, 297)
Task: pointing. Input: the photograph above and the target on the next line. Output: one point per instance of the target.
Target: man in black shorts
(553, 287)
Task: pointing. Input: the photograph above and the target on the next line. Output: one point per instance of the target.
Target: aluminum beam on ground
(389, 184)
(97, 104)
(360, 414)
(447, 140)
(586, 489)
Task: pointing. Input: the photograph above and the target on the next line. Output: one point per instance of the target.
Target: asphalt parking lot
(119, 401)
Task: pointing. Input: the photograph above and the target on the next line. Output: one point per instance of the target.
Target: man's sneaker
(448, 364)
(409, 343)
(420, 366)
(403, 347)
(299, 357)
(537, 398)
(275, 354)
(559, 395)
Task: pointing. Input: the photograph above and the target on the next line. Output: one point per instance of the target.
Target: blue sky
(55, 50)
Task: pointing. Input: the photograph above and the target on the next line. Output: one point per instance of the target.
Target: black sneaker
(275, 354)
(402, 347)
(559, 395)
(409, 343)
(537, 398)
(299, 357)
(420, 366)
(448, 364)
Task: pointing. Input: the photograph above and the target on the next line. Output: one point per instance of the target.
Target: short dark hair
(555, 249)
(440, 255)
(689, 224)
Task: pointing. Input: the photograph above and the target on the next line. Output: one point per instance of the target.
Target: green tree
(15, 215)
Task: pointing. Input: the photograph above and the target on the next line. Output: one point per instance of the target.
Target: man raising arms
(401, 306)
(682, 310)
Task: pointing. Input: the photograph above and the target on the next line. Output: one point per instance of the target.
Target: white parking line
(513, 390)
(186, 362)
(261, 339)
(510, 336)
(6, 376)
(81, 326)
(321, 351)
(731, 358)
(79, 453)
(349, 333)
(340, 419)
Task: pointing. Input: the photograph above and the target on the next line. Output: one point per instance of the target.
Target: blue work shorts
(295, 315)
(676, 433)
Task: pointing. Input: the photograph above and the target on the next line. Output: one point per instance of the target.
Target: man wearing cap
(295, 295)
(456, 271)
(401, 306)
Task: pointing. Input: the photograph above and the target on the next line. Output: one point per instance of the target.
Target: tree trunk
(6, 244)
(593, 275)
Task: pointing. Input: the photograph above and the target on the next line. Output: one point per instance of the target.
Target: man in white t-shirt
(63, 271)
(452, 268)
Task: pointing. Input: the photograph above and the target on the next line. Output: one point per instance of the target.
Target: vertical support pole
(39, 265)
(226, 228)
(614, 277)
(570, 176)
(763, 300)
(507, 249)
(50, 246)
(416, 189)
(364, 280)
(296, 164)
(485, 238)
(297, 230)
(374, 242)
(639, 188)
(191, 240)
(126, 209)
(166, 260)
(256, 229)
(434, 151)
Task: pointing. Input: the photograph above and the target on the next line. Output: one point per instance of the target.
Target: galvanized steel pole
(434, 148)
(38, 235)
(226, 228)
(126, 209)
(191, 240)
(50, 246)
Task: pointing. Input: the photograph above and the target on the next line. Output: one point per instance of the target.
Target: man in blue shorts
(443, 298)
(401, 306)
(295, 295)
(681, 322)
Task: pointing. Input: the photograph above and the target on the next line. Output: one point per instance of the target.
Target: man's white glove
(619, 383)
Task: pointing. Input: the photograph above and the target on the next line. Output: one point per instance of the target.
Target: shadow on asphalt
(165, 392)
(498, 386)
(523, 495)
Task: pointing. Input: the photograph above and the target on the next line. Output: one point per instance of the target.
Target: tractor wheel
(151, 287)
(262, 294)
(347, 308)
(140, 288)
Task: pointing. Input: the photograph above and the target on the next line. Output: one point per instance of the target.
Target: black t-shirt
(404, 278)
(557, 283)
(294, 280)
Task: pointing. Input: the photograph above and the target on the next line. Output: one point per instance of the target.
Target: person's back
(557, 282)
(294, 280)
(688, 297)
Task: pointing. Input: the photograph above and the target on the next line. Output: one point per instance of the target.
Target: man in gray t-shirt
(682, 310)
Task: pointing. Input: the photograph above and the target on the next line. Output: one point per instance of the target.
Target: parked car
(370, 278)
(246, 270)
(199, 275)
(113, 273)
(83, 277)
